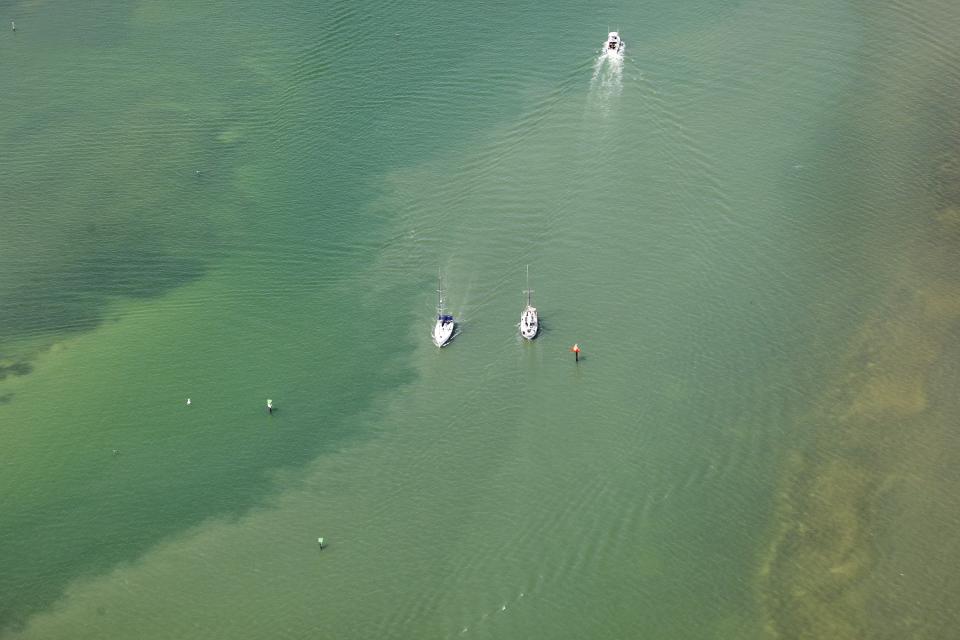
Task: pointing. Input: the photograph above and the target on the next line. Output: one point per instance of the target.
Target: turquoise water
(237, 201)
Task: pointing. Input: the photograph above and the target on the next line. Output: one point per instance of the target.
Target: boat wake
(503, 607)
(607, 80)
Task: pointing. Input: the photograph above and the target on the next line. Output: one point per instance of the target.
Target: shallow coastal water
(748, 223)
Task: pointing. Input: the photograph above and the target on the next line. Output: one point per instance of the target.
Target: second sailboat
(443, 329)
(529, 322)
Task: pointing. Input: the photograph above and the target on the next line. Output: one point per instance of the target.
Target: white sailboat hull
(529, 323)
(442, 333)
(443, 327)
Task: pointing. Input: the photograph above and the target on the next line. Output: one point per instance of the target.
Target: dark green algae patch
(81, 238)
(863, 537)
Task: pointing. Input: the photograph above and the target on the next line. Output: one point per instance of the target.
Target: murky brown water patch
(865, 519)
(863, 543)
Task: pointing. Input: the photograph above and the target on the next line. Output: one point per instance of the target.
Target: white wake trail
(606, 84)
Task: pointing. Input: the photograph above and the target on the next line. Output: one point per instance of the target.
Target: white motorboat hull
(442, 333)
(529, 323)
(614, 45)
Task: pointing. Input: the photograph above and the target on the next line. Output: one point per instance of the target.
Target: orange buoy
(576, 352)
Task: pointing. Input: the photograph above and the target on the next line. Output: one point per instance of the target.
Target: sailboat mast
(439, 295)
(528, 285)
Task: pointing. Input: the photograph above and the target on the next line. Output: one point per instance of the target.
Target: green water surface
(235, 201)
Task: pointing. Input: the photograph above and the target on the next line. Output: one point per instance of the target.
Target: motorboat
(443, 329)
(529, 322)
(613, 44)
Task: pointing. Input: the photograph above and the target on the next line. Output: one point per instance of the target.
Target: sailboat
(529, 323)
(443, 329)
